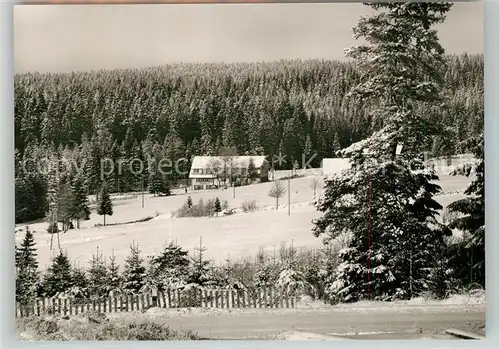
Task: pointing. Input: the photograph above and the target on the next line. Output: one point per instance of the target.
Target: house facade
(209, 172)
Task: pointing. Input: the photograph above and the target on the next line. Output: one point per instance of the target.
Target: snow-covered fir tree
(170, 267)
(134, 273)
(114, 277)
(97, 276)
(200, 267)
(27, 268)
(385, 200)
(79, 288)
(59, 276)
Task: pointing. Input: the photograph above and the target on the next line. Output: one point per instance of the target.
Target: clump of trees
(202, 209)
(172, 267)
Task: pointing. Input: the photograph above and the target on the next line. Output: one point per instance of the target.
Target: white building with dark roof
(213, 171)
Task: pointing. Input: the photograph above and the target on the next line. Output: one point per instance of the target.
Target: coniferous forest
(178, 111)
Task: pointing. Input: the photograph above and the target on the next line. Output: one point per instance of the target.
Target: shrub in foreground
(141, 329)
(249, 206)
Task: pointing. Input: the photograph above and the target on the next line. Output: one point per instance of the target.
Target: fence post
(191, 297)
(205, 300)
(227, 298)
(163, 300)
(121, 303)
(70, 306)
(217, 298)
(211, 298)
(222, 297)
(110, 304)
(287, 303)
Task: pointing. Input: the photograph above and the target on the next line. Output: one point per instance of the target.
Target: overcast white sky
(85, 37)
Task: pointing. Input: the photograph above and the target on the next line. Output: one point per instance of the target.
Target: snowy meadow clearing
(235, 236)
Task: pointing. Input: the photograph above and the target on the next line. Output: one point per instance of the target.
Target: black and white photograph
(258, 171)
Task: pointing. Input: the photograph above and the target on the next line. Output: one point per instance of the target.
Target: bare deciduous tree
(277, 191)
(214, 168)
(314, 184)
(228, 155)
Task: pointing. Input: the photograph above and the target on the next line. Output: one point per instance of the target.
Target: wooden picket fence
(171, 298)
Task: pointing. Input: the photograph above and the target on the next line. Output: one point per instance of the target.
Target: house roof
(203, 162)
(334, 165)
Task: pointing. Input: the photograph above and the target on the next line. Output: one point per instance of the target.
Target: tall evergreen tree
(65, 208)
(385, 200)
(104, 204)
(79, 206)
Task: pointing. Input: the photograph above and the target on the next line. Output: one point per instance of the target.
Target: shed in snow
(331, 166)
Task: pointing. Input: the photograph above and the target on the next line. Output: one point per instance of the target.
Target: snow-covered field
(235, 236)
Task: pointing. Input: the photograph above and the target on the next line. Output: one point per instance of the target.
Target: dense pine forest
(176, 111)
